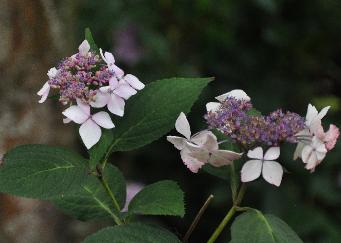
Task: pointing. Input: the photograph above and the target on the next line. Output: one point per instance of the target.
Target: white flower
(187, 143)
(90, 130)
(45, 90)
(313, 153)
(113, 96)
(236, 93)
(84, 48)
(271, 170)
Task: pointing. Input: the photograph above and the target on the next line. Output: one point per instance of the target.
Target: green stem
(229, 215)
(113, 198)
(222, 225)
(107, 154)
(233, 182)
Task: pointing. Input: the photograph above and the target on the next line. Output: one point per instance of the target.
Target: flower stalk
(229, 215)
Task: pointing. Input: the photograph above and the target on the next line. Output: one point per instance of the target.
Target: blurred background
(283, 53)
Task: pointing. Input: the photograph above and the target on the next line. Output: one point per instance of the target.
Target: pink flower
(200, 148)
(330, 137)
(185, 144)
(90, 130)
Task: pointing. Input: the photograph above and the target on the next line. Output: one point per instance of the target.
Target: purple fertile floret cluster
(233, 118)
(80, 76)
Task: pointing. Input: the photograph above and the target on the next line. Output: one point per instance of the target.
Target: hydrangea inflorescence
(233, 119)
(90, 80)
(254, 133)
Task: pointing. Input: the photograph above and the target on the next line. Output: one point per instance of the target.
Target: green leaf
(160, 198)
(253, 226)
(220, 172)
(90, 39)
(99, 149)
(42, 172)
(132, 233)
(254, 112)
(92, 201)
(152, 113)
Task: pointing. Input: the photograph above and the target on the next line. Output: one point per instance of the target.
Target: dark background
(284, 54)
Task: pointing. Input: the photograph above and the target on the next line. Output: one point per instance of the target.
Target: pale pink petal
(105, 89)
(134, 81)
(318, 145)
(116, 105)
(118, 71)
(223, 157)
(44, 89)
(212, 106)
(84, 48)
(44, 92)
(113, 83)
(182, 126)
(132, 189)
(311, 114)
(125, 91)
(205, 139)
(298, 150)
(66, 120)
(101, 52)
(312, 162)
(76, 114)
(323, 112)
(317, 129)
(307, 151)
(251, 170)
(52, 72)
(101, 99)
(103, 119)
(84, 106)
(272, 172)
(90, 133)
(331, 136)
(178, 142)
(256, 153)
(320, 155)
(192, 163)
(236, 93)
(272, 153)
(109, 57)
(201, 155)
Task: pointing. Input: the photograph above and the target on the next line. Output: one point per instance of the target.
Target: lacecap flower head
(92, 80)
(235, 117)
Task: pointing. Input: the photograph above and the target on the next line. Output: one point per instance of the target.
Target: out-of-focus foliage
(283, 53)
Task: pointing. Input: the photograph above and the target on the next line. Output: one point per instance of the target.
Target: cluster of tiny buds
(233, 118)
(80, 76)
